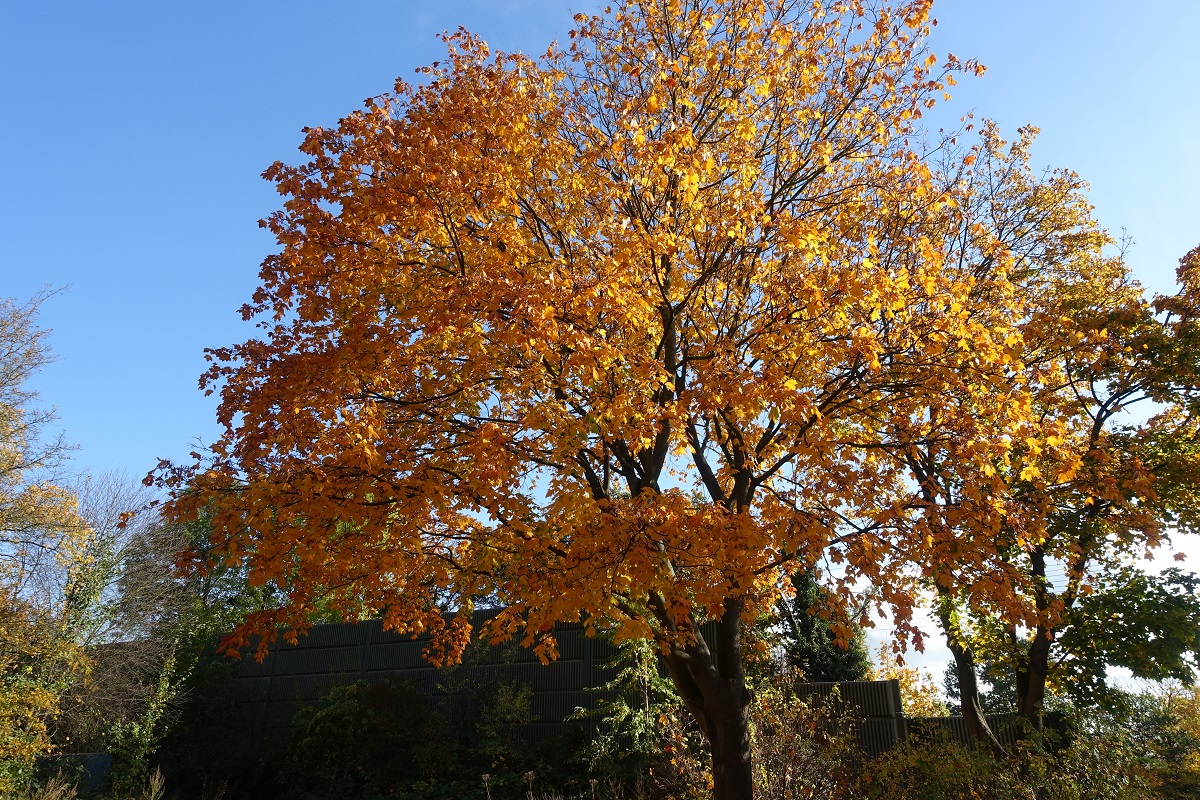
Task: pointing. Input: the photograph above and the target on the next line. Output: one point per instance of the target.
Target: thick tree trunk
(1031, 680)
(712, 684)
(733, 778)
(968, 686)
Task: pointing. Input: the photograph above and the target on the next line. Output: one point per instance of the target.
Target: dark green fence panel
(268, 694)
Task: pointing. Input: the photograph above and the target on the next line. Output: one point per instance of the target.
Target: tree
(141, 627)
(41, 540)
(918, 688)
(1062, 478)
(629, 713)
(525, 312)
(1172, 728)
(807, 639)
(1148, 624)
(1089, 493)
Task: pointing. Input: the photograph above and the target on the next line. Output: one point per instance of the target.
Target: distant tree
(919, 690)
(42, 542)
(807, 640)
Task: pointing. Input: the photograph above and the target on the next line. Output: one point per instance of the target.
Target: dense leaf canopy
(618, 333)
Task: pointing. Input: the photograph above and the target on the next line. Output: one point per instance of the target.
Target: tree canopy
(523, 308)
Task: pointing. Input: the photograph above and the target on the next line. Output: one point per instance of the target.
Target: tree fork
(968, 684)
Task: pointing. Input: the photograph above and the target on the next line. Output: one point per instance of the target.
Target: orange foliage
(623, 334)
(606, 334)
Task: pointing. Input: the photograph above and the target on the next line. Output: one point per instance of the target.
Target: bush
(938, 770)
(1091, 766)
(799, 748)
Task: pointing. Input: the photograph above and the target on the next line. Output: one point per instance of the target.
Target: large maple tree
(625, 335)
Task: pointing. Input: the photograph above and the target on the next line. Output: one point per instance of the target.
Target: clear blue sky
(134, 134)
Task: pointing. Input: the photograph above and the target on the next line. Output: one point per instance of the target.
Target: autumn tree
(959, 530)
(1071, 480)
(919, 691)
(1109, 491)
(619, 335)
(41, 540)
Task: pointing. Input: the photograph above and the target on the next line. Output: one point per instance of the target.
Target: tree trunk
(968, 685)
(1031, 680)
(712, 684)
(733, 778)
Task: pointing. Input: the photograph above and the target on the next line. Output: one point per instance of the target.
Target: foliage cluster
(1144, 746)
(802, 749)
(389, 740)
(43, 540)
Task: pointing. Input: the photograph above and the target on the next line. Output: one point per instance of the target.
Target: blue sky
(134, 134)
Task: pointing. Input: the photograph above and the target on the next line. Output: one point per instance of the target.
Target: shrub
(938, 769)
(801, 749)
